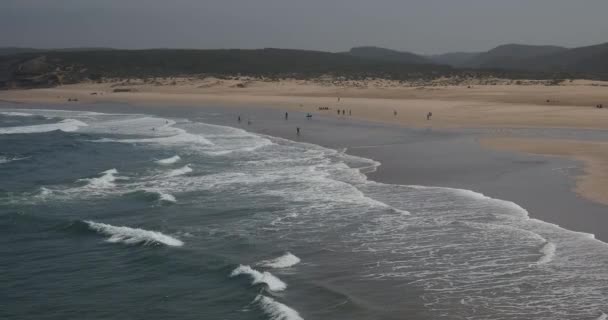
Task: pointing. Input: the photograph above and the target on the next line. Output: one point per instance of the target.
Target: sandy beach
(498, 106)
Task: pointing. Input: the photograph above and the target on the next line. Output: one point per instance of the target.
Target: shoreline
(444, 158)
(500, 111)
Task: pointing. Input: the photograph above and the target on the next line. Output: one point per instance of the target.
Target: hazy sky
(422, 26)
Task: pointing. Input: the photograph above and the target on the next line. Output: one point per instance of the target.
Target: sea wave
(178, 172)
(17, 114)
(133, 235)
(105, 181)
(66, 125)
(285, 261)
(257, 277)
(276, 310)
(7, 159)
(170, 160)
(166, 197)
(548, 251)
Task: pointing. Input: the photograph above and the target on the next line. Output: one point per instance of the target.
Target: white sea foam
(285, 261)
(170, 160)
(603, 316)
(181, 171)
(548, 251)
(105, 181)
(276, 310)
(7, 159)
(166, 197)
(17, 114)
(66, 125)
(133, 235)
(273, 283)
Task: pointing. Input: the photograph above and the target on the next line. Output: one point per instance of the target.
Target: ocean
(141, 216)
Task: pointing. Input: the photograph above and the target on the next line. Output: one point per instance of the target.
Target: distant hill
(454, 59)
(5, 51)
(590, 60)
(388, 55)
(510, 56)
(41, 68)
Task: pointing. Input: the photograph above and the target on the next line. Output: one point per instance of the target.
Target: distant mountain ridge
(5, 51)
(509, 56)
(28, 67)
(388, 55)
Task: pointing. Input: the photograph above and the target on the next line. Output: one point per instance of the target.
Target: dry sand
(492, 103)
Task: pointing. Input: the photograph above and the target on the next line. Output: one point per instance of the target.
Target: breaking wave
(17, 114)
(67, 125)
(181, 171)
(105, 181)
(276, 310)
(548, 251)
(166, 197)
(285, 261)
(257, 277)
(133, 235)
(170, 160)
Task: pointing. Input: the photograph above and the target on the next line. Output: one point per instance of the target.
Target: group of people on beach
(343, 112)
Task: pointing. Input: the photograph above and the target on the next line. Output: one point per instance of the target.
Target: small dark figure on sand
(429, 115)
(338, 111)
(248, 122)
(395, 113)
(343, 112)
(338, 99)
(308, 116)
(286, 115)
(239, 119)
(298, 130)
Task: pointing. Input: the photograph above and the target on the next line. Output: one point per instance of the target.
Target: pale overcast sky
(421, 26)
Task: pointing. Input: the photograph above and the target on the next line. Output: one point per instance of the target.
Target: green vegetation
(36, 68)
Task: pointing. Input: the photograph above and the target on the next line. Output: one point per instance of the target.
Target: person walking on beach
(338, 111)
(429, 115)
(298, 130)
(239, 119)
(350, 113)
(395, 113)
(286, 115)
